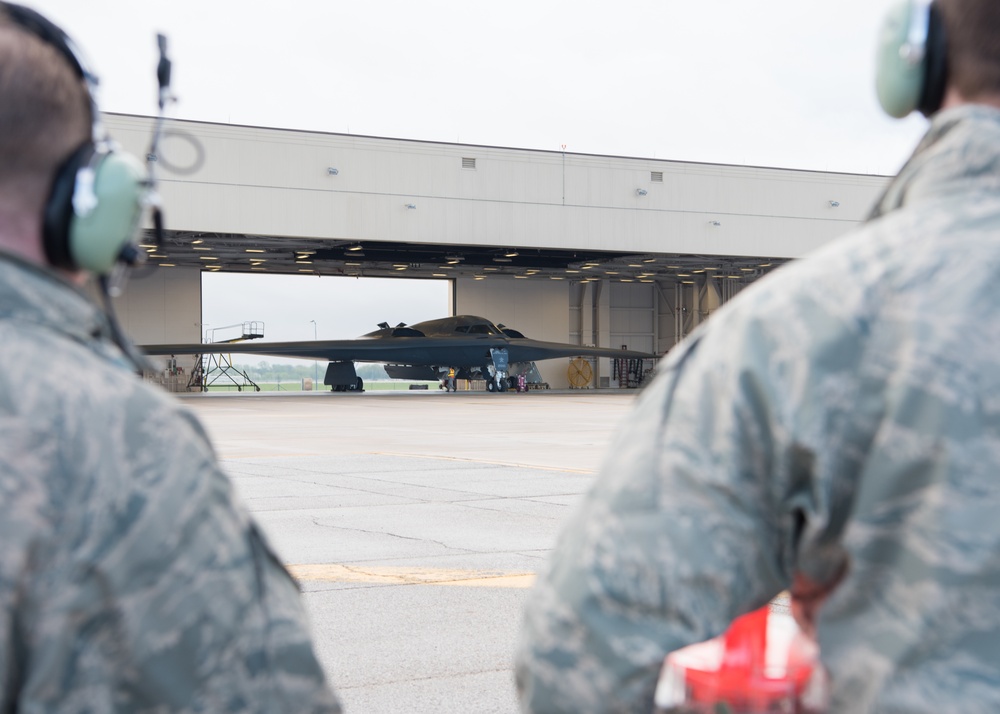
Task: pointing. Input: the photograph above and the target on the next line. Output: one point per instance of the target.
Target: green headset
(98, 193)
(911, 63)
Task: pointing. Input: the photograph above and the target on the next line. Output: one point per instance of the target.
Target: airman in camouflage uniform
(838, 424)
(131, 580)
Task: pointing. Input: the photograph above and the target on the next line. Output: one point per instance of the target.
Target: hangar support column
(586, 311)
(602, 330)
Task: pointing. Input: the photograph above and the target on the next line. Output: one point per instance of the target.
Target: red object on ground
(763, 663)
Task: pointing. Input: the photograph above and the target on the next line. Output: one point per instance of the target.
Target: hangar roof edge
(501, 148)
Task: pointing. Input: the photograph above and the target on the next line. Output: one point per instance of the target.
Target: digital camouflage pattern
(843, 411)
(130, 579)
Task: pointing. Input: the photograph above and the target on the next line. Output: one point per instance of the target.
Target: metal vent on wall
(468, 163)
(656, 176)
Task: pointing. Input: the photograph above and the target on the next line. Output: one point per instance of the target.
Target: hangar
(581, 248)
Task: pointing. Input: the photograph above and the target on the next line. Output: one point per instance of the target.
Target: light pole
(315, 364)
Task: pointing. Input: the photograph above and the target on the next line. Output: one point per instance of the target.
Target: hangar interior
(587, 249)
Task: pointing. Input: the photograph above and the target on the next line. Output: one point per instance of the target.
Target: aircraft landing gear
(358, 385)
(496, 374)
(495, 381)
(342, 377)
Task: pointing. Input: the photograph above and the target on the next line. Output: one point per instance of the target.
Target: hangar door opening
(309, 307)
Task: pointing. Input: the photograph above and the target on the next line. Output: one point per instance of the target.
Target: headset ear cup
(58, 212)
(99, 232)
(899, 82)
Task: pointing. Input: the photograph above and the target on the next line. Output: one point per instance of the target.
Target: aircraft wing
(435, 351)
(396, 350)
(527, 350)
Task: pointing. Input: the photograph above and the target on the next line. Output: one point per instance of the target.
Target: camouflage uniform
(130, 580)
(843, 412)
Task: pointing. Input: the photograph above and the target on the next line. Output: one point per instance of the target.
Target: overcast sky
(784, 83)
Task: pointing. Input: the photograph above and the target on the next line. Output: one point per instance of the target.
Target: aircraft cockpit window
(480, 330)
(462, 328)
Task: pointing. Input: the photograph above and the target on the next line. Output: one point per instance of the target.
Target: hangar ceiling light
(239, 252)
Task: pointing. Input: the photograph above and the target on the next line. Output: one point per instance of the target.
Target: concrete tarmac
(415, 523)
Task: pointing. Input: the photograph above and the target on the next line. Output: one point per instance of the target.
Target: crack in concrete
(316, 522)
(430, 678)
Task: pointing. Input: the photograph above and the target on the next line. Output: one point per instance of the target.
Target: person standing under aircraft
(131, 580)
(835, 430)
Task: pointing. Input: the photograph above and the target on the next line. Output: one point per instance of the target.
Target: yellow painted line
(387, 575)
